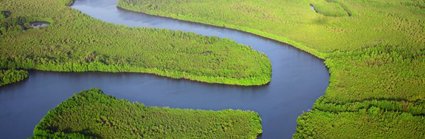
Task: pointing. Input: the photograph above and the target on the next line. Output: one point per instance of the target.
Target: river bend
(298, 79)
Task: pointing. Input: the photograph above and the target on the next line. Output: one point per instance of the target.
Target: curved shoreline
(225, 26)
(299, 78)
(290, 42)
(319, 56)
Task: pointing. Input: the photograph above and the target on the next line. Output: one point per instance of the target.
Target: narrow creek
(298, 79)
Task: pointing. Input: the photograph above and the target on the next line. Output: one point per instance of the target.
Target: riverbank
(369, 60)
(105, 47)
(12, 76)
(302, 73)
(92, 114)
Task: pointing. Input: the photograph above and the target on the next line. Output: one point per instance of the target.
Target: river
(298, 79)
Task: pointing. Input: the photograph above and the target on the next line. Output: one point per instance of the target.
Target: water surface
(298, 79)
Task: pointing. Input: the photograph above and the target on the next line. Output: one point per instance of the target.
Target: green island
(374, 49)
(12, 76)
(74, 42)
(93, 114)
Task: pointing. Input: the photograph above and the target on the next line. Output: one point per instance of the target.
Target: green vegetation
(329, 8)
(12, 76)
(92, 114)
(74, 42)
(374, 49)
(369, 123)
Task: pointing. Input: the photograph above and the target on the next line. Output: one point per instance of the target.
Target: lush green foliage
(12, 76)
(375, 51)
(369, 123)
(382, 71)
(412, 107)
(76, 42)
(92, 114)
(393, 22)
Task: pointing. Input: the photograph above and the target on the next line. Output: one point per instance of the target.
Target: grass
(12, 76)
(374, 49)
(369, 123)
(75, 42)
(92, 114)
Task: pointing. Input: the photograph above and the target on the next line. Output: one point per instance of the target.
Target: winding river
(298, 79)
